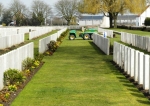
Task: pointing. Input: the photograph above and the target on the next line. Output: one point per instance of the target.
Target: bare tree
(17, 6)
(6, 16)
(67, 9)
(1, 9)
(19, 11)
(42, 7)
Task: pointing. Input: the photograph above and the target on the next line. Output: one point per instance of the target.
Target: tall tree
(6, 16)
(40, 18)
(1, 9)
(67, 9)
(19, 11)
(34, 19)
(112, 7)
(37, 19)
(89, 6)
(39, 6)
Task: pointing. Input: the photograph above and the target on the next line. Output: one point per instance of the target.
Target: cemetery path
(79, 74)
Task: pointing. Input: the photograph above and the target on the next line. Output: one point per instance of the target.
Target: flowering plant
(12, 87)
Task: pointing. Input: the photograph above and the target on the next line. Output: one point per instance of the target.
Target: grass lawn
(79, 74)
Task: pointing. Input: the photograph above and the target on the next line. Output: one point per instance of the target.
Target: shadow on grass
(125, 81)
(132, 87)
(122, 78)
(97, 49)
(138, 95)
(36, 51)
(133, 90)
(144, 102)
(129, 85)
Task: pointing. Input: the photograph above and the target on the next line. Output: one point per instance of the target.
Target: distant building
(134, 20)
(127, 20)
(90, 20)
(141, 18)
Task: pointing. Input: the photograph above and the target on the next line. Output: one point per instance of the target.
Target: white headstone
(122, 56)
(1, 71)
(129, 61)
(132, 62)
(136, 65)
(118, 50)
(146, 72)
(148, 45)
(126, 59)
(140, 67)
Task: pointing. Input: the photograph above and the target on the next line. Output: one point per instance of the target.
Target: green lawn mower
(86, 35)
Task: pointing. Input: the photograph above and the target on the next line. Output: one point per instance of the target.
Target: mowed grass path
(79, 74)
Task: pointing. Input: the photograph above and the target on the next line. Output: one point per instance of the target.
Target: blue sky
(28, 2)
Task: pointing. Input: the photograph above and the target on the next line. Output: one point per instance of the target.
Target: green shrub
(27, 63)
(39, 57)
(59, 39)
(12, 88)
(13, 76)
(147, 21)
(36, 63)
(52, 46)
(7, 95)
(63, 34)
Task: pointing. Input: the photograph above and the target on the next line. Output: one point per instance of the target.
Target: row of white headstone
(142, 42)
(14, 58)
(39, 32)
(134, 63)
(44, 41)
(108, 33)
(8, 41)
(102, 42)
(12, 38)
(14, 35)
(8, 31)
